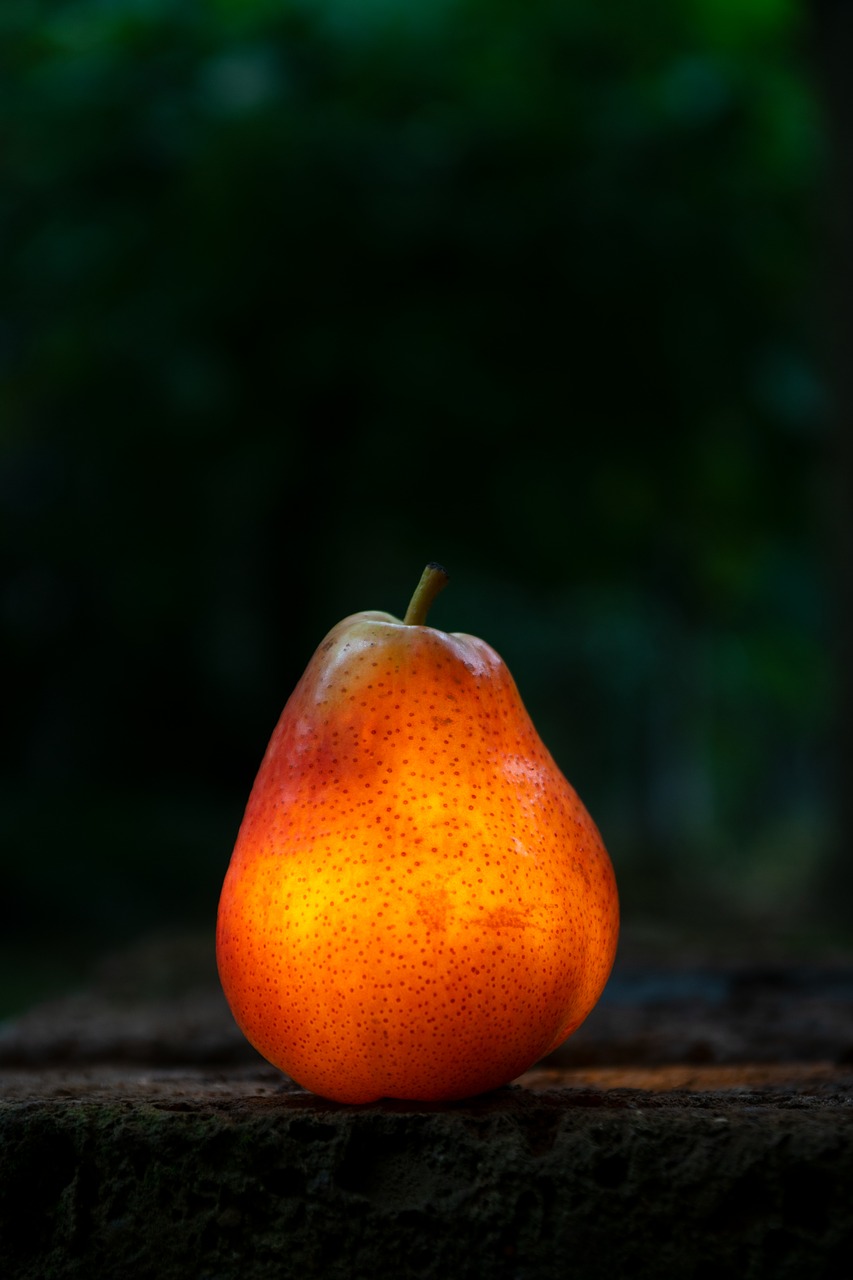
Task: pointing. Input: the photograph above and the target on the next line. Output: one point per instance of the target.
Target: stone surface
(701, 1122)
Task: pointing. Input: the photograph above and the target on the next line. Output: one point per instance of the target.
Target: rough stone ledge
(140, 1137)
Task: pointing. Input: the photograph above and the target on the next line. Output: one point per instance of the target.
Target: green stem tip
(433, 579)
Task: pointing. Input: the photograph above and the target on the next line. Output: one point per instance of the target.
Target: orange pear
(418, 905)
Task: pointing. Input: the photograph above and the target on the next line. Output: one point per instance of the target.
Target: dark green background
(297, 296)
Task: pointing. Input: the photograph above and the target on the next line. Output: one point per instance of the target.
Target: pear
(418, 905)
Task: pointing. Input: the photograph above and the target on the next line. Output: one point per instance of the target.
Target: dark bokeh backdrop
(296, 296)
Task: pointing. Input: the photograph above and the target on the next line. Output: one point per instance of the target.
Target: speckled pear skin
(418, 905)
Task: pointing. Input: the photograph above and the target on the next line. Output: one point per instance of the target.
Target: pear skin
(418, 905)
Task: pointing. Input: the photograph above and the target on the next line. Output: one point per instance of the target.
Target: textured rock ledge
(141, 1137)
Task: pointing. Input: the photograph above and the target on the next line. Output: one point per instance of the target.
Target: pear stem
(433, 580)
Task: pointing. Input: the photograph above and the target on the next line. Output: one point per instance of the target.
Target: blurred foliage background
(296, 295)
